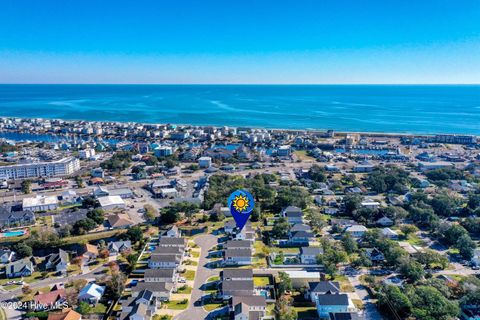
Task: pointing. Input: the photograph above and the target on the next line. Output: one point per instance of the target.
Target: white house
(91, 293)
(476, 257)
(356, 231)
(370, 204)
(205, 162)
(111, 202)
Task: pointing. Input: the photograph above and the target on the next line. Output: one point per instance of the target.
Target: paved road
(370, 311)
(205, 242)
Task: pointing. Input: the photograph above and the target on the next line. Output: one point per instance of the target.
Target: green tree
(443, 205)
(26, 186)
(96, 215)
(284, 284)
(465, 246)
(317, 173)
(393, 297)
(84, 308)
(352, 203)
(22, 250)
(134, 234)
(150, 212)
(429, 304)
(349, 244)
(280, 228)
(412, 269)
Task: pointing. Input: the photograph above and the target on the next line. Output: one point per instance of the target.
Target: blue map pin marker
(241, 205)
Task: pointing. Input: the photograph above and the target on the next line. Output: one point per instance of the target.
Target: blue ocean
(426, 109)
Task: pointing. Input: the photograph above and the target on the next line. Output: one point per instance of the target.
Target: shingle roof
(237, 273)
(333, 299)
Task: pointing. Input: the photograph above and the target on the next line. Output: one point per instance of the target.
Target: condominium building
(59, 168)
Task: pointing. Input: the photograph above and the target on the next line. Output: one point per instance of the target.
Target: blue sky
(244, 41)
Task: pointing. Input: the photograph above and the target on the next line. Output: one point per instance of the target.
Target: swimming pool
(13, 233)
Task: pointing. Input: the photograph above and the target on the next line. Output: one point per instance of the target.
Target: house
(97, 173)
(50, 300)
(246, 233)
(160, 275)
(90, 252)
(301, 238)
(321, 287)
(168, 250)
(139, 311)
(300, 227)
(356, 231)
(246, 310)
(173, 242)
(170, 261)
(389, 233)
(237, 256)
(91, 293)
(308, 255)
(117, 247)
(293, 214)
(20, 268)
(248, 307)
(174, 232)
(333, 303)
(6, 255)
(233, 288)
(301, 278)
(111, 202)
(119, 221)
(58, 261)
(374, 255)
(10, 218)
(237, 274)
(205, 162)
(69, 197)
(40, 203)
(229, 226)
(64, 314)
(237, 244)
(160, 290)
(370, 204)
(385, 222)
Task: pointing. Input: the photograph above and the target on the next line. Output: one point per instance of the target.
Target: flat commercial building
(59, 168)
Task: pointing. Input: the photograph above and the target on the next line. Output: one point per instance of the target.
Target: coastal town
(115, 220)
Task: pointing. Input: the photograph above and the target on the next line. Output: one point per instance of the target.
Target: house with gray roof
(20, 268)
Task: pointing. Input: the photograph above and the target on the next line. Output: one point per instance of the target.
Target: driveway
(205, 242)
(370, 311)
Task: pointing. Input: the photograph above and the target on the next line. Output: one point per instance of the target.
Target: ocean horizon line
(242, 84)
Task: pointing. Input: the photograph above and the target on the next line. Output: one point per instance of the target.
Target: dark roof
(153, 286)
(257, 301)
(311, 250)
(145, 294)
(234, 285)
(236, 273)
(231, 244)
(172, 241)
(69, 216)
(344, 316)
(167, 250)
(300, 227)
(159, 273)
(292, 209)
(325, 286)
(333, 299)
(165, 258)
(238, 252)
(302, 234)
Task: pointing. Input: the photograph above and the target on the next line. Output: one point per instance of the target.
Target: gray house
(20, 268)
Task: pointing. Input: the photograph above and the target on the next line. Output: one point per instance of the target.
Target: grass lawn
(306, 312)
(162, 317)
(177, 305)
(189, 275)
(414, 240)
(3, 316)
(358, 303)
(190, 263)
(214, 278)
(302, 155)
(195, 254)
(93, 236)
(346, 286)
(261, 281)
(212, 306)
(99, 308)
(185, 290)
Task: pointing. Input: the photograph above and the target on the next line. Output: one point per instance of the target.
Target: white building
(59, 168)
(86, 153)
(40, 203)
(205, 162)
(111, 202)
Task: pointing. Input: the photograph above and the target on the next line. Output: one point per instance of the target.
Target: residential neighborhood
(131, 221)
